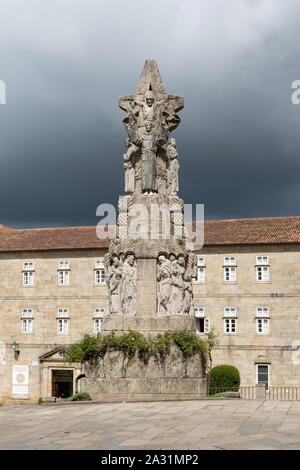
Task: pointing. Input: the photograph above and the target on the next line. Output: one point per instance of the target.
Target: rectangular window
(202, 323)
(230, 274)
(26, 325)
(262, 320)
(262, 273)
(64, 264)
(202, 326)
(262, 312)
(262, 260)
(263, 374)
(99, 276)
(230, 260)
(199, 312)
(262, 325)
(230, 312)
(63, 325)
(28, 278)
(28, 266)
(99, 312)
(230, 325)
(99, 263)
(27, 320)
(63, 312)
(200, 270)
(63, 277)
(97, 325)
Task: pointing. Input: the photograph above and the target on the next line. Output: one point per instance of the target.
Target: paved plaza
(205, 424)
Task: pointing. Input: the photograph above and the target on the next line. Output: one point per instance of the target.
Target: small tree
(224, 376)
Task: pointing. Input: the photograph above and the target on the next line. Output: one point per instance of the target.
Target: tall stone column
(149, 266)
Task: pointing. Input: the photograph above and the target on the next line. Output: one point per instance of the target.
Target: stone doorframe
(50, 361)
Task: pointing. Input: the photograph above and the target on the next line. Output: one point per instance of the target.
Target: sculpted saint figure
(113, 279)
(149, 106)
(148, 142)
(177, 284)
(172, 156)
(164, 284)
(129, 161)
(129, 285)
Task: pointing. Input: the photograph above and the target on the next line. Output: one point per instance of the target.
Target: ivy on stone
(134, 342)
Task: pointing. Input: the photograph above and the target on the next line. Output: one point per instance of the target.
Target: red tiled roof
(272, 230)
(268, 230)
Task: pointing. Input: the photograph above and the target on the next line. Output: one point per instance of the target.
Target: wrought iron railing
(248, 393)
(253, 393)
(283, 393)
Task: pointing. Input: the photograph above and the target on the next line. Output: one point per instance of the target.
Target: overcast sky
(65, 62)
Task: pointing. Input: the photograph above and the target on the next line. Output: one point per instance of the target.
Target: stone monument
(150, 265)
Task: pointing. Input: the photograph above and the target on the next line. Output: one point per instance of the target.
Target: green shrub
(81, 396)
(40, 400)
(133, 342)
(224, 377)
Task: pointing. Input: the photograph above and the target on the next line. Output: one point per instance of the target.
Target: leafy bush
(224, 377)
(81, 396)
(133, 342)
(40, 400)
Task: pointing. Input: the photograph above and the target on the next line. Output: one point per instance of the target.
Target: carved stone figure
(128, 285)
(148, 142)
(150, 106)
(172, 156)
(177, 285)
(163, 284)
(129, 161)
(113, 280)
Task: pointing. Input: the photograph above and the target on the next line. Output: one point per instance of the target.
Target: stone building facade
(52, 291)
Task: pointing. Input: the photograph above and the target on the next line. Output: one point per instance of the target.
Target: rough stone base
(115, 378)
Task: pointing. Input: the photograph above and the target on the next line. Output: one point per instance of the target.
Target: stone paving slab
(199, 425)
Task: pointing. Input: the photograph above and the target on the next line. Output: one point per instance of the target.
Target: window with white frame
(28, 266)
(63, 320)
(64, 264)
(63, 312)
(230, 320)
(63, 325)
(262, 320)
(28, 273)
(262, 260)
(98, 315)
(200, 269)
(230, 260)
(262, 269)
(229, 268)
(27, 320)
(63, 272)
(99, 272)
(263, 374)
(63, 277)
(202, 322)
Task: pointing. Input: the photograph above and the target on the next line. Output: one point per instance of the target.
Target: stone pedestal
(146, 289)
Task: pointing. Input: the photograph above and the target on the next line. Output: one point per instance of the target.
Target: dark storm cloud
(65, 62)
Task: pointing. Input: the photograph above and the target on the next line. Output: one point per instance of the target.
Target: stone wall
(115, 378)
(281, 294)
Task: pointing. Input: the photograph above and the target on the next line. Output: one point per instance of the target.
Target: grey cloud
(65, 62)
